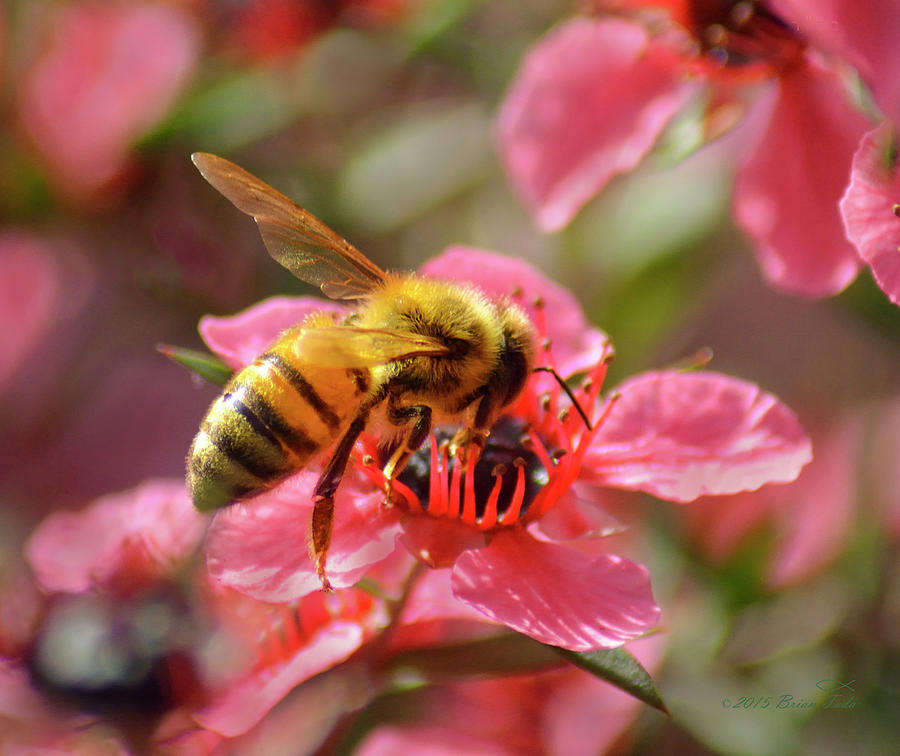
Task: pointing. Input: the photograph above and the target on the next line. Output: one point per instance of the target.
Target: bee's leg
(323, 496)
(477, 432)
(420, 414)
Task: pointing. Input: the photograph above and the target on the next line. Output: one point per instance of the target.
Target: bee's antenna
(565, 387)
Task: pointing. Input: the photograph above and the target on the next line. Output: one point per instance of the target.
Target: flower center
(506, 458)
(741, 34)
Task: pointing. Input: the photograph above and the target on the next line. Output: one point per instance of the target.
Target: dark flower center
(507, 449)
(741, 33)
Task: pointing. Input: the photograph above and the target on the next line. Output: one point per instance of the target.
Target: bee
(415, 353)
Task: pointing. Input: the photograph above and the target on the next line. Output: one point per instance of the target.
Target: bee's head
(517, 355)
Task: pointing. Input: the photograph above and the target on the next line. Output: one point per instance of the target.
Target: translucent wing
(350, 347)
(295, 238)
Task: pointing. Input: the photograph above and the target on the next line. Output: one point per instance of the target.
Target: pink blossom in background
(29, 288)
(588, 103)
(283, 645)
(677, 435)
(870, 207)
(244, 655)
(809, 520)
(105, 74)
(579, 112)
(124, 542)
(558, 713)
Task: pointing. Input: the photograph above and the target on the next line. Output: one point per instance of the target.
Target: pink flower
(870, 207)
(242, 655)
(558, 713)
(592, 97)
(107, 73)
(523, 549)
(124, 542)
(282, 646)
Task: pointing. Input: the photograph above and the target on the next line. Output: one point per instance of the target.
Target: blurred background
(376, 115)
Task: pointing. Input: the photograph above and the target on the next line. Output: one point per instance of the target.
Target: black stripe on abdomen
(277, 427)
(303, 387)
(260, 427)
(254, 447)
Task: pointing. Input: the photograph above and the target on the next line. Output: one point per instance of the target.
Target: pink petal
(573, 519)
(432, 598)
(817, 511)
(787, 192)
(867, 209)
(244, 704)
(110, 72)
(555, 594)
(125, 540)
(682, 435)
(261, 547)
(439, 542)
(588, 102)
(576, 345)
(863, 34)
(29, 292)
(239, 339)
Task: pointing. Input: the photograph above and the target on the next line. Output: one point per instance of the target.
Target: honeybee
(414, 354)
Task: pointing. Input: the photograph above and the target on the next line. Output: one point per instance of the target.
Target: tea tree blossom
(871, 207)
(593, 95)
(226, 659)
(102, 75)
(523, 544)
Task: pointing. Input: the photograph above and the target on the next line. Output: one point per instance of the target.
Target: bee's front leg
(323, 496)
(475, 433)
(420, 414)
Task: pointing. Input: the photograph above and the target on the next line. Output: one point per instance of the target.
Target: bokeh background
(377, 116)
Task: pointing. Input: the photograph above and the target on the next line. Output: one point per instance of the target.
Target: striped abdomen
(272, 417)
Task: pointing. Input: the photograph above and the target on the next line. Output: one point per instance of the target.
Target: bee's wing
(351, 347)
(295, 238)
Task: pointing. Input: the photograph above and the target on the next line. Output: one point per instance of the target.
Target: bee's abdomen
(268, 423)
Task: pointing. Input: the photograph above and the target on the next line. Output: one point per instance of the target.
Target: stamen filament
(437, 503)
(489, 518)
(515, 507)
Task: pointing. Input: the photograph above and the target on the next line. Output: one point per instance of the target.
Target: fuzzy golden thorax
(479, 332)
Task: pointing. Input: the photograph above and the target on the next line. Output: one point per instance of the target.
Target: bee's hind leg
(323, 497)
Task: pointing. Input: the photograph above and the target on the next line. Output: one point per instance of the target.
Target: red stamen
(489, 518)
(453, 502)
(414, 506)
(468, 510)
(541, 451)
(437, 502)
(515, 507)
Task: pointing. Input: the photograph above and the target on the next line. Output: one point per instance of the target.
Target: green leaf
(497, 655)
(207, 366)
(618, 667)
